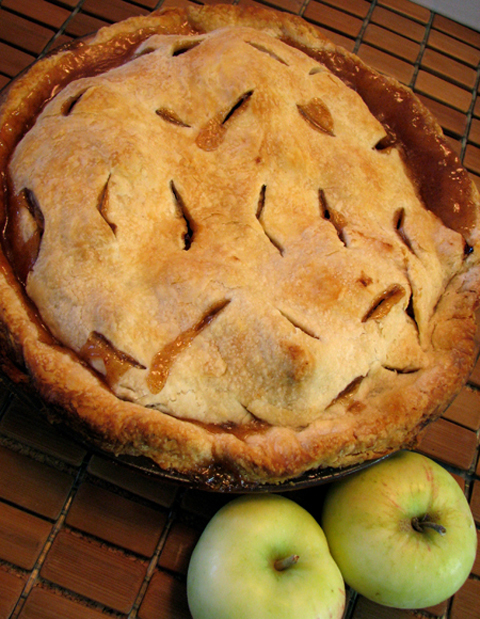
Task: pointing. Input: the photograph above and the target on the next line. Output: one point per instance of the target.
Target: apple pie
(231, 247)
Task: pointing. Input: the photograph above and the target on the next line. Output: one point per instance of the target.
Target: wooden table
(85, 537)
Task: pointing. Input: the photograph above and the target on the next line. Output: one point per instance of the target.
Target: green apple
(264, 557)
(401, 531)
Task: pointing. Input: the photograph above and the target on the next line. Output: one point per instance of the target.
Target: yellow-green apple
(264, 556)
(401, 531)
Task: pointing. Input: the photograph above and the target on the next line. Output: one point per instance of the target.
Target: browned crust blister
(376, 413)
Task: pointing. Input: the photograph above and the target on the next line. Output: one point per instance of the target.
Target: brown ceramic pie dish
(232, 248)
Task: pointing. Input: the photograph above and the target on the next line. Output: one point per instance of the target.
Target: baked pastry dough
(231, 246)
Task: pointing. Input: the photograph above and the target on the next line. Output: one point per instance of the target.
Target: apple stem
(420, 524)
(283, 564)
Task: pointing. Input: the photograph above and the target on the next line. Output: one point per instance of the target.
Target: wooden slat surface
(83, 536)
(397, 23)
(395, 44)
(414, 11)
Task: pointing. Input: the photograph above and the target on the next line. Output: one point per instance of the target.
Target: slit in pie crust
(229, 245)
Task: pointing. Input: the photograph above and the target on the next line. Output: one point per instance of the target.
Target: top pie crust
(230, 245)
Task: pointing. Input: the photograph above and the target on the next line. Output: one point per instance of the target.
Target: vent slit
(348, 392)
(213, 132)
(299, 326)
(185, 47)
(467, 248)
(261, 202)
(115, 361)
(317, 114)
(182, 212)
(71, 102)
(337, 220)
(171, 117)
(384, 303)
(238, 105)
(103, 204)
(25, 245)
(385, 143)
(265, 50)
(399, 225)
(259, 213)
(410, 311)
(34, 209)
(165, 358)
(323, 205)
(211, 314)
(275, 243)
(401, 370)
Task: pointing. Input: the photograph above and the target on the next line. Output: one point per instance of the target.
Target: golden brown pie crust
(231, 246)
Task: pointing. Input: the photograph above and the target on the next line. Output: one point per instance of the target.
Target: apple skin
(367, 519)
(231, 574)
